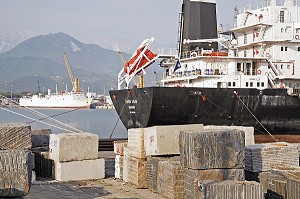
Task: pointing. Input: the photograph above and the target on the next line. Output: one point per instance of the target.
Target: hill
(40, 59)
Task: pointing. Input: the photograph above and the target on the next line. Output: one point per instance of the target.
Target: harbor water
(97, 121)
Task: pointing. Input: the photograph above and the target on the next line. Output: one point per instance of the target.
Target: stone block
(152, 170)
(293, 188)
(281, 174)
(263, 157)
(15, 172)
(212, 149)
(73, 147)
(80, 170)
(164, 140)
(119, 161)
(125, 164)
(192, 177)
(137, 172)
(136, 143)
(119, 146)
(40, 138)
(230, 190)
(44, 166)
(249, 132)
(170, 179)
(14, 136)
(260, 177)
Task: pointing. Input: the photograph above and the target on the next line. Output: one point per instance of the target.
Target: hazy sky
(92, 20)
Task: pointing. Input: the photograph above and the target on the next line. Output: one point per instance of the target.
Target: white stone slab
(136, 143)
(80, 170)
(125, 164)
(164, 140)
(249, 132)
(73, 147)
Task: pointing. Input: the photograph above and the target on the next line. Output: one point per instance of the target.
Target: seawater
(98, 121)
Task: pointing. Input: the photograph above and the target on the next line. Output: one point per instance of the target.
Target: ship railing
(263, 4)
(166, 51)
(194, 72)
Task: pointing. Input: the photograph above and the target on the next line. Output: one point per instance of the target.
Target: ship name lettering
(130, 101)
(131, 107)
(132, 112)
(195, 93)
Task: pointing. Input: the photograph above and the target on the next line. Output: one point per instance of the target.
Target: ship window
(245, 38)
(262, 84)
(229, 84)
(281, 16)
(251, 84)
(281, 66)
(239, 68)
(245, 53)
(233, 84)
(247, 84)
(286, 48)
(282, 30)
(258, 84)
(281, 48)
(298, 48)
(288, 66)
(297, 85)
(290, 85)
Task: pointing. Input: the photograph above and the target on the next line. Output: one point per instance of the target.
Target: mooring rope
(275, 139)
(44, 116)
(112, 132)
(33, 119)
(223, 109)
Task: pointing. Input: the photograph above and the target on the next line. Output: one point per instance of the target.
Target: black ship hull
(271, 109)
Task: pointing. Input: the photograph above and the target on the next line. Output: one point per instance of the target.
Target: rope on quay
(33, 119)
(275, 139)
(112, 132)
(43, 117)
(272, 137)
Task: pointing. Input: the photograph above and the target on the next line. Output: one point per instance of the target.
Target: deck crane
(75, 81)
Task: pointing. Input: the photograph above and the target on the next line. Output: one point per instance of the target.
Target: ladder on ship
(262, 32)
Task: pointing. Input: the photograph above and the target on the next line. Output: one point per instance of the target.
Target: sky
(92, 20)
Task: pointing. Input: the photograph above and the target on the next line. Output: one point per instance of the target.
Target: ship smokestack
(199, 22)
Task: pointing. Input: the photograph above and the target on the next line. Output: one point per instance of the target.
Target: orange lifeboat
(139, 60)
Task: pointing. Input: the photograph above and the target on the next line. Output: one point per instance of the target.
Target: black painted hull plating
(278, 112)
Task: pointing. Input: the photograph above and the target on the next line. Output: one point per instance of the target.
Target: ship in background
(248, 75)
(76, 98)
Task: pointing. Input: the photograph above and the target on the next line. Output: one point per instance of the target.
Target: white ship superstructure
(261, 51)
(57, 100)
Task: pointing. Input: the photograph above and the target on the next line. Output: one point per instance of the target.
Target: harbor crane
(75, 81)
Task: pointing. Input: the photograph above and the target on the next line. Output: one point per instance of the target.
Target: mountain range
(38, 63)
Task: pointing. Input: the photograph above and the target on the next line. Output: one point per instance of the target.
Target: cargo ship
(76, 98)
(245, 75)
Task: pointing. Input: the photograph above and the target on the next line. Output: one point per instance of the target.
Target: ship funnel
(290, 3)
